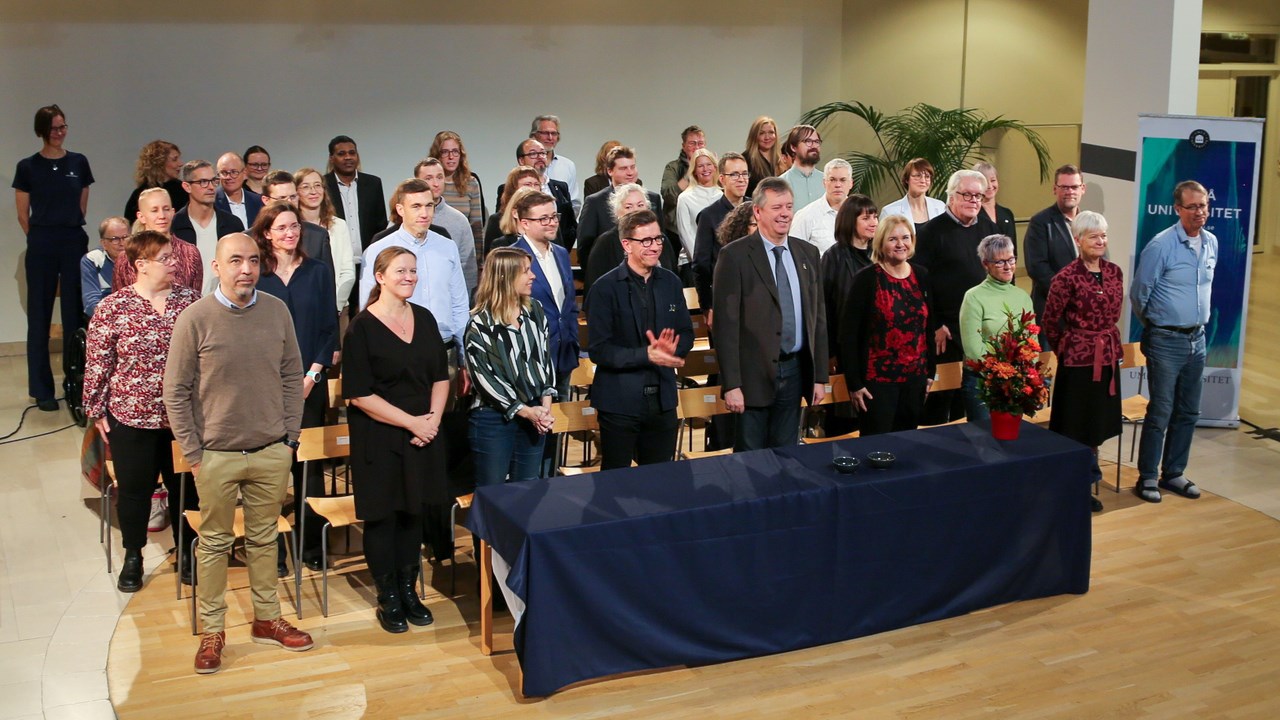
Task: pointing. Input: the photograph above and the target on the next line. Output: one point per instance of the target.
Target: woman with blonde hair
(521, 176)
(155, 212)
(762, 151)
(508, 352)
(703, 189)
(159, 166)
(510, 231)
(461, 186)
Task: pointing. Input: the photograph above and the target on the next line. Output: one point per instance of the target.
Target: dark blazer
(607, 254)
(566, 234)
(840, 264)
(252, 203)
(856, 323)
(315, 243)
(618, 345)
(749, 319)
(1047, 249)
(181, 225)
(596, 217)
(370, 202)
(706, 249)
(562, 321)
(1007, 224)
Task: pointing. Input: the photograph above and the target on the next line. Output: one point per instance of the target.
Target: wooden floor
(1181, 621)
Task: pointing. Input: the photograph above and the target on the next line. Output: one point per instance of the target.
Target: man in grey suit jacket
(770, 327)
(1048, 246)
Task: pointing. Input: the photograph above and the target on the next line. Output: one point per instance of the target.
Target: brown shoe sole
(208, 671)
(277, 643)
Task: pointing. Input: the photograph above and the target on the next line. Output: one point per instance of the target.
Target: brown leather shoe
(280, 632)
(209, 656)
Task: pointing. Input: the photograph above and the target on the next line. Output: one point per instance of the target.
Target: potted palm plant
(950, 139)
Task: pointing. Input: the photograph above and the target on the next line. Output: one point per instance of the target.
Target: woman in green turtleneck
(984, 312)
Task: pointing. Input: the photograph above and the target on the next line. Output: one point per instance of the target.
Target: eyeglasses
(292, 199)
(920, 176)
(260, 166)
(58, 128)
(115, 238)
(1070, 188)
(738, 175)
(228, 174)
(167, 259)
(203, 182)
(970, 197)
(811, 141)
(1197, 208)
(282, 229)
(649, 241)
(310, 186)
(545, 220)
(1006, 263)
(548, 133)
(535, 154)
(451, 152)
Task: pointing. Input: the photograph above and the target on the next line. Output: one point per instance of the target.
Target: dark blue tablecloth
(728, 557)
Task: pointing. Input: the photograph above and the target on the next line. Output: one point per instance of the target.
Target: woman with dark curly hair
(159, 165)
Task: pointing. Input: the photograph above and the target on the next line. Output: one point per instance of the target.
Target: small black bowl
(845, 464)
(881, 459)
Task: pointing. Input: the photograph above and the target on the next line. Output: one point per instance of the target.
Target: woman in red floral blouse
(885, 326)
(1080, 319)
(128, 342)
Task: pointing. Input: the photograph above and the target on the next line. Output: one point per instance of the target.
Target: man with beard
(804, 147)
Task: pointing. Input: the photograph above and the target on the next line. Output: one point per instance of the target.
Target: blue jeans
(974, 409)
(502, 448)
(1175, 367)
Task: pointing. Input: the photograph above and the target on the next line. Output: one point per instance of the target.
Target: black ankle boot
(187, 568)
(130, 579)
(414, 611)
(390, 610)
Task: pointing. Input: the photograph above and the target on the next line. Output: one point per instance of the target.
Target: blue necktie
(785, 300)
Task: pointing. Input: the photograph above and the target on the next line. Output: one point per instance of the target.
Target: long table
(761, 552)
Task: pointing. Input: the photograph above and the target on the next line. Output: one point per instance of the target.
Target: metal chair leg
(195, 583)
(180, 546)
(107, 517)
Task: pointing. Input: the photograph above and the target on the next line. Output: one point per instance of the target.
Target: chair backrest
(701, 402)
(335, 393)
(574, 416)
(1133, 356)
(700, 329)
(180, 464)
(584, 374)
(323, 443)
(700, 362)
(691, 299)
(948, 376)
(837, 391)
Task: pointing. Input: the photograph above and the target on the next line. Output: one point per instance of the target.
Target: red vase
(1005, 426)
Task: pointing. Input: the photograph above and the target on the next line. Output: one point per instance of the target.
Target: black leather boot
(414, 611)
(390, 611)
(130, 579)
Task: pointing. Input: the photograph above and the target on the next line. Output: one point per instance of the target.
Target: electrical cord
(4, 439)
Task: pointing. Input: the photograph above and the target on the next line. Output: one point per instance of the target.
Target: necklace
(400, 327)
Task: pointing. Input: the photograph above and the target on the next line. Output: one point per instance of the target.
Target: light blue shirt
(95, 278)
(788, 264)
(441, 289)
(1173, 282)
(226, 301)
(804, 188)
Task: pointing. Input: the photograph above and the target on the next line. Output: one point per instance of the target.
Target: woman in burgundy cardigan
(1080, 319)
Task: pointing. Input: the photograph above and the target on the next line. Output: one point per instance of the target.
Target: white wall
(125, 79)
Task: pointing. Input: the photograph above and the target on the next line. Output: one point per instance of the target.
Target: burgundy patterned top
(899, 329)
(1081, 313)
(124, 362)
(188, 272)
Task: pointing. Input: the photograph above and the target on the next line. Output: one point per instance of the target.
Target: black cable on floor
(4, 439)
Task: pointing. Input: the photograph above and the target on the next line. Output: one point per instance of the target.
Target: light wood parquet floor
(1182, 620)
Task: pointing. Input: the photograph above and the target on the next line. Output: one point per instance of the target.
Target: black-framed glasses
(1006, 263)
(536, 154)
(228, 174)
(204, 182)
(260, 166)
(971, 197)
(743, 175)
(1070, 188)
(649, 241)
(545, 220)
(450, 152)
(115, 238)
(1197, 208)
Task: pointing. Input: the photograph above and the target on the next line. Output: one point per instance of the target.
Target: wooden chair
(948, 376)
(697, 404)
(691, 300)
(571, 417)
(700, 329)
(338, 512)
(237, 528)
(699, 363)
(317, 444)
(581, 378)
(106, 491)
(836, 391)
(1133, 409)
(1042, 415)
(460, 503)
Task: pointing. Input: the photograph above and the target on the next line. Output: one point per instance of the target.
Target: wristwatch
(314, 375)
(291, 444)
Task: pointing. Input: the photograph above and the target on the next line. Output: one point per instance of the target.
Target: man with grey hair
(947, 246)
(546, 130)
(804, 147)
(816, 222)
(200, 223)
(233, 197)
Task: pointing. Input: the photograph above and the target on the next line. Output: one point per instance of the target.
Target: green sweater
(233, 379)
(983, 313)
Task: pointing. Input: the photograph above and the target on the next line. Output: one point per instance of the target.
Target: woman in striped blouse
(510, 361)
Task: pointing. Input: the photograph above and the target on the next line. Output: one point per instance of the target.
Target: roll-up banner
(1224, 155)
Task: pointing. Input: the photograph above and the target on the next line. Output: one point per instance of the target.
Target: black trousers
(140, 457)
(893, 406)
(776, 425)
(647, 438)
(52, 259)
(392, 543)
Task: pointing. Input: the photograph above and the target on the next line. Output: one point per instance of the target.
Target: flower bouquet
(1011, 378)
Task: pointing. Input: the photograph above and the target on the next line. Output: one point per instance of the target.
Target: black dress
(389, 473)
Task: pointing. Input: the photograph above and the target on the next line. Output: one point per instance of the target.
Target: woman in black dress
(396, 377)
(855, 228)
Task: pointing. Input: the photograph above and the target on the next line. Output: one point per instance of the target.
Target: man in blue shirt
(1170, 294)
(97, 266)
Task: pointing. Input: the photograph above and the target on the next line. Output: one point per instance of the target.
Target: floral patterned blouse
(899, 330)
(128, 342)
(1081, 313)
(189, 271)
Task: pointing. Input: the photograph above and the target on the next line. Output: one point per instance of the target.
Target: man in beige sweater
(233, 392)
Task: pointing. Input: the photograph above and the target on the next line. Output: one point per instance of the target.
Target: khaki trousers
(261, 478)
